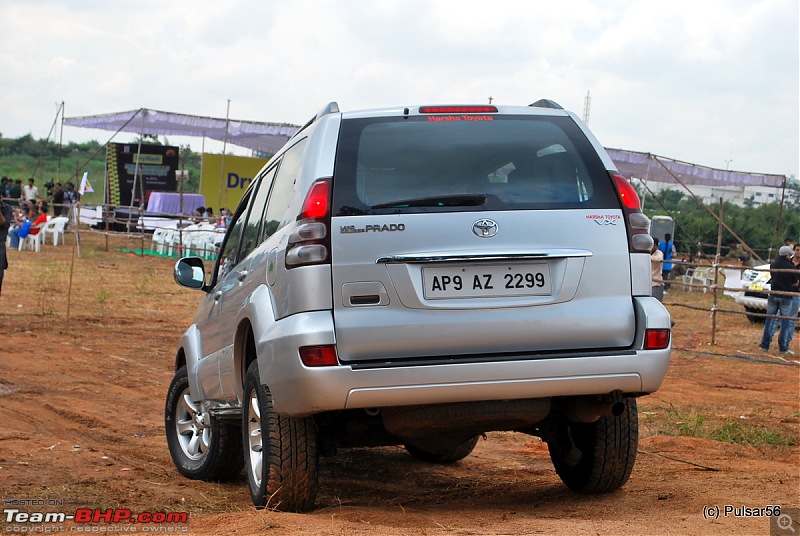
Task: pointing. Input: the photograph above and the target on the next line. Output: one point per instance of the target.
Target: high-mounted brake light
(457, 109)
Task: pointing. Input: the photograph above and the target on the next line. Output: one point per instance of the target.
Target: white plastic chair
(32, 241)
(701, 275)
(56, 227)
(161, 235)
(209, 243)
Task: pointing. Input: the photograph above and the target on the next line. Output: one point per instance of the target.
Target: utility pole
(587, 104)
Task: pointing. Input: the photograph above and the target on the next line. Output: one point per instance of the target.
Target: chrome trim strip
(472, 257)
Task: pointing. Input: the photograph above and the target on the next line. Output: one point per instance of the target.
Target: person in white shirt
(30, 192)
(656, 263)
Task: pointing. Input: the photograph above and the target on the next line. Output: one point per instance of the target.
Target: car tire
(203, 447)
(281, 456)
(752, 318)
(596, 457)
(451, 456)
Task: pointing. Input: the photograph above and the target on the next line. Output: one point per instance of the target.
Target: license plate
(756, 287)
(487, 281)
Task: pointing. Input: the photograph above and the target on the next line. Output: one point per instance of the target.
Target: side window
(289, 170)
(250, 239)
(228, 256)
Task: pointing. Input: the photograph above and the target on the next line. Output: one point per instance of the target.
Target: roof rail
(330, 108)
(547, 103)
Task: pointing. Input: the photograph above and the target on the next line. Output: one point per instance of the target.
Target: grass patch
(730, 431)
(748, 434)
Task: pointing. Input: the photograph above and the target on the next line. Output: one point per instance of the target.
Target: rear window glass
(448, 163)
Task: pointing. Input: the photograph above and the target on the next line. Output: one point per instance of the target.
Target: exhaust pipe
(588, 410)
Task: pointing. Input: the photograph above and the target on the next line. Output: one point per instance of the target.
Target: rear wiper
(447, 200)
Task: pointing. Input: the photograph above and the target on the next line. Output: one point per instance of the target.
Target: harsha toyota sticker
(604, 219)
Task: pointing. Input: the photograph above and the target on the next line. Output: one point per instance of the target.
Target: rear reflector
(319, 356)
(656, 339)
(457, 109)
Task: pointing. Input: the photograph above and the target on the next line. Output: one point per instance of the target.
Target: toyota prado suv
(420, 276)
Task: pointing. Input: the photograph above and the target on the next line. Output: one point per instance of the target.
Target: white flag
(85, 186)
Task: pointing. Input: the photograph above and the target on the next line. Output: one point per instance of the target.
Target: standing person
(738, 251)
(781, 304)
(667, 247)
(71, 198)
(656, 275)
(58, 200)
(795, 307)
(30, 192)
(5, 222)
(15, 192)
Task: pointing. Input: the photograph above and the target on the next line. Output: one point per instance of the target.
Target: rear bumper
(299, 390)
(752, 302)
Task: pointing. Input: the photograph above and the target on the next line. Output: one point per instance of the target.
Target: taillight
(309, 241)
(656, 339)
(319, 356)
(457, 109)
(316, 203)
(637, 224)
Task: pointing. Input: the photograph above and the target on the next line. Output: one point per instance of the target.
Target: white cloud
(706, 82)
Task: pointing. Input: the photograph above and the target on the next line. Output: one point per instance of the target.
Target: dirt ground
(83, 376)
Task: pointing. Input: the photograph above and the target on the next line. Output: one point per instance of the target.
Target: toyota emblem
(484, 228)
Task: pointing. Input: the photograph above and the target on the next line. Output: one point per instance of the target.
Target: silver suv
(419, 276)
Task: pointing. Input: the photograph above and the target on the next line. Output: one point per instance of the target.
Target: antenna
(587, 104)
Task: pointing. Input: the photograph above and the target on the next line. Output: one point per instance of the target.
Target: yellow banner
(224, 187)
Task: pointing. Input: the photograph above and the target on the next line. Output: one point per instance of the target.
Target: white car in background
(753, 297)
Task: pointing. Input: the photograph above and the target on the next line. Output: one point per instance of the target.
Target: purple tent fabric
(269, 137)
(645, 166)
(265, 137)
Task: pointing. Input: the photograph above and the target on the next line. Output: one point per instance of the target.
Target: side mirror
(189, 272)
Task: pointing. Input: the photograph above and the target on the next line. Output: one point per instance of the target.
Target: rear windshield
(449, 163)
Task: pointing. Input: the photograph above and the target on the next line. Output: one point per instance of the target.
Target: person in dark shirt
(778, 304)
(15, 192)
(5, 221)
(58, 200)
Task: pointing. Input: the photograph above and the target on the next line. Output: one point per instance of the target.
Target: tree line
(758, 226)
(45, 161)
(696, 229)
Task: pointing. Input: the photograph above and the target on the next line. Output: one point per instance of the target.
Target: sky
(710, 82)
